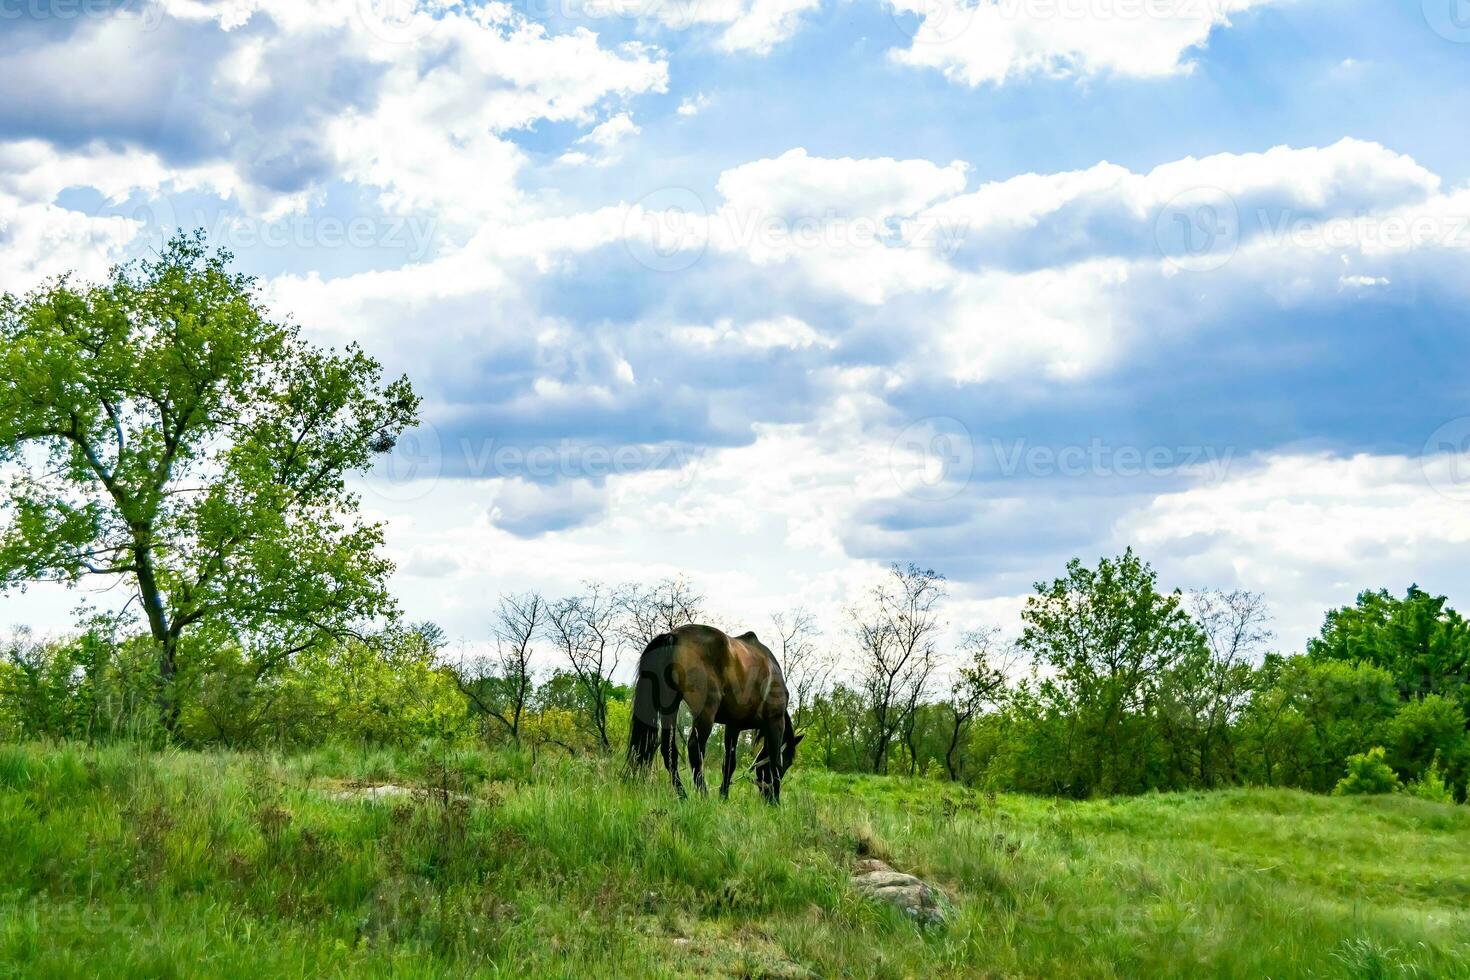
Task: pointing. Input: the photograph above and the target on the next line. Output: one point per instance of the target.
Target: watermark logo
(939, 21)
(667, 230)
(1198, 230)
(151, 224)
(1450, 19)
(933, 458)
(396, 21)
(1445, 460)
(421, 458)
(411, 469)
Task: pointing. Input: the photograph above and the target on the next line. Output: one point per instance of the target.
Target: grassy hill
(119, 863)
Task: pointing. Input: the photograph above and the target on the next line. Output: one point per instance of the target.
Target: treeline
(1116, 687)
(1112, 686)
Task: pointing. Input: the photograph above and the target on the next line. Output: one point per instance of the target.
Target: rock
(912, 896)
(386, 791)
(392, 791)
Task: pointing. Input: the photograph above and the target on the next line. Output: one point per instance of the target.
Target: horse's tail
(648, 700)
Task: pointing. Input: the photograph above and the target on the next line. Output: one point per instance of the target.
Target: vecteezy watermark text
(936, 458)
(1100, 458)
(150, 12)
(412, 235)
(670, 229)
(420, 458)
(1200, 230)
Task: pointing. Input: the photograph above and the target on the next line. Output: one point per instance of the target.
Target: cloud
(752, 27)
(1107, 210)
(781, 332)
(763, 24)
(977, 42)
(530, 510)
(1310, 531)
(693, 105)
(815, 274)
(285, 98)
(604, 141)
(798, 184)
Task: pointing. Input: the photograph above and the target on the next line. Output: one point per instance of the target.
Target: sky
(771, 293)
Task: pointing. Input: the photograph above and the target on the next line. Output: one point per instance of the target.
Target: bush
(1431, 729)
(1367, 774)
(1431, 786)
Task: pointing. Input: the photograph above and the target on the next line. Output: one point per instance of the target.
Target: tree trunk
(164, 635)
(954, 744)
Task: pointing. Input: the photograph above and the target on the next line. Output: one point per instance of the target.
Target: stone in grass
(384, 792)
(915, 898)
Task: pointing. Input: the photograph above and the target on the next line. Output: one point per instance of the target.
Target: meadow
(129, 862)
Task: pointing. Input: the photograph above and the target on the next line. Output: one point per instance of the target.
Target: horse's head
(788, 751)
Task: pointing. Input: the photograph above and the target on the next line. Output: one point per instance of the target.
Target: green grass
(120, 863)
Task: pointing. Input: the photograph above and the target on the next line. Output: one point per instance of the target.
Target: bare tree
(895, 630)
(981, 681)
(1234, 625)
(649, 612)
(589, 631)
(805, 665)
(499, 687)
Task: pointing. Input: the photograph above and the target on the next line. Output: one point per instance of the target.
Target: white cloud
(1064, 323)
(753, 27)
(693, 105)
(281, 98)
(796, 183)
(763, 24)
(39, 239)
(1347, 177)
(1309, 531)
(605, 139)
(780, 332)
(974, 42)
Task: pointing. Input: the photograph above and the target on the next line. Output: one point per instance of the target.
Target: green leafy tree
(388, 688)
(1346, 707)
(1307, 717)
(1425, 732)
(167, 432)
(1108, 641)
(1423, 642)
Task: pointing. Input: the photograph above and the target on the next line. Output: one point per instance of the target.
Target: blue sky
(773, 292)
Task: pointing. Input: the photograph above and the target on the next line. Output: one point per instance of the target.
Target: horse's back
(735, 675)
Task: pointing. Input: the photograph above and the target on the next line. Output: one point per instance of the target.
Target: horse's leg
(671, 749)
(698, 740)
(772, 731)
(732, 748)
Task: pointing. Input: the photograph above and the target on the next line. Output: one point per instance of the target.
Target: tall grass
(119, 862)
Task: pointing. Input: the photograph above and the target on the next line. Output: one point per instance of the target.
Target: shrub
(1429, 729)
(1431, 786)
(1367, 774)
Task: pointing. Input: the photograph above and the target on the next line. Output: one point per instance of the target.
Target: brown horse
(732, 680)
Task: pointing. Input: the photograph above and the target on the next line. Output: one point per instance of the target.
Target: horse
(731, 680)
